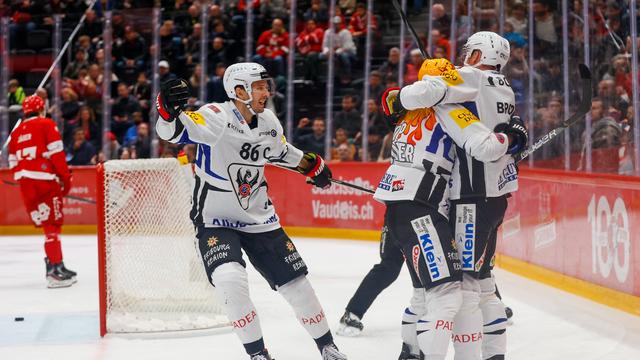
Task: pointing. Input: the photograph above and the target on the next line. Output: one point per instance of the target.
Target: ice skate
(350, 325)
(262, 355)
(331, 352)
(406, 354)
(57, 277)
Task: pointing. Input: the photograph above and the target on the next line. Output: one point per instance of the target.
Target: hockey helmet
(244, 74)
(495, 49)
(32, 104)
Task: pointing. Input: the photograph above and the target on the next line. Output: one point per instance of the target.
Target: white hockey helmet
(494, 48)
(244, 74)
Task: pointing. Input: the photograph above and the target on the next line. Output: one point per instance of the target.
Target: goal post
(151, 277)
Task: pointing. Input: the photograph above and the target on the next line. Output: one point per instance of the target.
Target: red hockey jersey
(36, 151)
(272, 45)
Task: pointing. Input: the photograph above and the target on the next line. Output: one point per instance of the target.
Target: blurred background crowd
(102, 93)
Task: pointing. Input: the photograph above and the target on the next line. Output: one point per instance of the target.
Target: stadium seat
(39, 39)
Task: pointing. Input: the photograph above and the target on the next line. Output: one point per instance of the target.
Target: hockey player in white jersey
(479, 190)
(415, 189)
(231, 208)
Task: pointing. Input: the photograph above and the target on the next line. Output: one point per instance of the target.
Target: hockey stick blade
(413, 32)
(583, 109)
(71, 197)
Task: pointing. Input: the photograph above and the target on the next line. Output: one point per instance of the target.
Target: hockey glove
(517, 132)
(317, 170)
(391, 105)
(66, 185)
(172, 98)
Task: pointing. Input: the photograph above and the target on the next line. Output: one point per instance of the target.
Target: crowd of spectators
(80, 107)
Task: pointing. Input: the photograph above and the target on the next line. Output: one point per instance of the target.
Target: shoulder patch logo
(213, 108)
(463, 117)
(195, 117)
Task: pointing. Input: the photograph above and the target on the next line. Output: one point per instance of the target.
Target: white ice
(62, 324)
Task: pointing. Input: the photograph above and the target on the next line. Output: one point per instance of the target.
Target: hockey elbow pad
(317, 170)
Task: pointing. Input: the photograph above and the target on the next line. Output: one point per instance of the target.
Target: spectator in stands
(376, 118)
(385, 150)
(374, 143)
(92, 26)
(309, 44)
(317, 12)
(273, 47)
(390, 68)
(81, 152)
(22, 20)
(141, 90)
(358, 25)
(313, 141)
(440, 52)
(164, 71)
(122, 110)
(339, 139)
(91, 127)
(518, 18)
(517, 71)
(512, 36)
(69, 112)
(130, 56)
(16, 93)
(220, 30)
(348, 118)
(273, 9)
(141, 149)
(344, 49)
(186, 23)
(215, 86)
(437, 39)
(614, 105)
(113, 149)
(171, 44)
(84, 44)
(218, 53)
(440, 19)
(548, 118)
(342, 153)
(132, 133)
(217, 15)
(376, 86)
(413, 67)
(118, 24)
(347, 6)
(546, 35)
(195, 80)
(42, 93)
(72, 69)
(192, 45)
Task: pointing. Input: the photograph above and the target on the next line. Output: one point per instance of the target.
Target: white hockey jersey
(423, 154)
(489, 96)
(230, 188)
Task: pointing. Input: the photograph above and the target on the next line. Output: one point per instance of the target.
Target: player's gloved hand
(517, 133)
(66, 185)
(317, 170)
(172, 98)
(391, 105)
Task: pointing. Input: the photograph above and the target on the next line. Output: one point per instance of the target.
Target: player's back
(31, 146)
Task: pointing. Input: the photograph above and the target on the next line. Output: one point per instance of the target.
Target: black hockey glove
(317, 170)
(172, 98)
(517, 132)
(391, 105)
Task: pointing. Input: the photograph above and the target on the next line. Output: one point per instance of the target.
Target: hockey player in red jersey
(37, 161)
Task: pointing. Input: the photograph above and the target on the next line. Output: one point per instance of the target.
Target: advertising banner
(580, 225)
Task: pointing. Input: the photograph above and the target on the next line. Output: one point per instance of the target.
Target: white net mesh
(155, 276)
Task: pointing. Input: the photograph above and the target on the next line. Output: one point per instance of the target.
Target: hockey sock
(410, 317)
(300, 295)
(52, 246)
(494, 342)
(435, 328)
(232, 290)
(467, 325)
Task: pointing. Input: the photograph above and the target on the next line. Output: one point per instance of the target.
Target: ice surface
(62, 324)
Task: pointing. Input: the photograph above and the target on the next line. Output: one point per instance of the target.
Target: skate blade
(54, 284)
(348, 331)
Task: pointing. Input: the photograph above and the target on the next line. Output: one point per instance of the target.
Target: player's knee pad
(300, 295)
(232, 290)
(417, 308)
(467, 328)
(435, 328)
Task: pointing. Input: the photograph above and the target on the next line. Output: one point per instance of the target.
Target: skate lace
(330, 352)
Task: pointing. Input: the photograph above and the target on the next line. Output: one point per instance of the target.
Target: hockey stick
(414, 34)
(335, 181)
(583, 109)
(77, 198)
(53, 65)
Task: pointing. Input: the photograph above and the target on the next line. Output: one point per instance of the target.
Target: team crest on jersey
(397, 185)
(196, 117)
(245, 182)
(290, 246)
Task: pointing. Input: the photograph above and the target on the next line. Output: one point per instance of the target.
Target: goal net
(151, 276)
